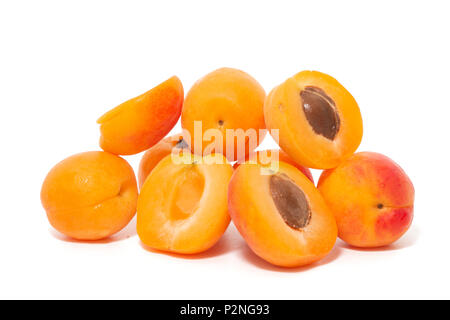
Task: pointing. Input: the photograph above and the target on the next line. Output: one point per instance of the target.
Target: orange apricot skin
(224, 99)
(276, 154)
(90, 195)
(160, 229)
(372, 199)
(155, 154)
(254, 214)
(141, 122)
(283, 111)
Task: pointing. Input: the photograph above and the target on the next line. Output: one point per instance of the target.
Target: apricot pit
(290, 201)
(320, 111)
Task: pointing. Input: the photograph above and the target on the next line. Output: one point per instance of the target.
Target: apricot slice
(182, 207)
(90, 195)
(265, 157)
(141, 122)
(319, 121)
(282, 216)
(372, 199)
(156, 153)
(222, 100)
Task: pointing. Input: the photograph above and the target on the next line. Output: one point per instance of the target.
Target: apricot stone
(319, 121)
(141, 122)
(156, 153)
(282, 216)
(90, 195)
(225, 99)
(372, 199)
(182, 206)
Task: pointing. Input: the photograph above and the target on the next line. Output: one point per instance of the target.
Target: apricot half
(224, 101)
(372, 199)
(319, 121)
(265, 157)
(182, 207)
(282, 216)
(156, 153)
(90, 195)
(141, 122)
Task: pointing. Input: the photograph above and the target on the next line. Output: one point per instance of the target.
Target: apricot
(372, 199)
(182, 206)
(319, 121)
(264, 157)
(141, 122)
(156, 153)
(90, 195)
(224, 99)
(282, 216)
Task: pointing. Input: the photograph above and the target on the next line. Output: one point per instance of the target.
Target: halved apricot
(372, 199)
(282, 216)
(264, 157)
(319, 121)
(141, 122)
(182, 206)
(90, 195)
(226, 101)
(156, 153)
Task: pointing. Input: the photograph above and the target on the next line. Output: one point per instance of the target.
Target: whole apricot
(141, 122)
(319, 121)
(371, 197)
(90, 195)
(224, 101)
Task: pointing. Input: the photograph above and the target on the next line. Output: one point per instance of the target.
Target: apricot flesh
(156, 153)
(141, 122)
(90, 195)
(282, 216)
(182, 207)
(319, 121)
(372, 199)
(225, 99)
(265, 157)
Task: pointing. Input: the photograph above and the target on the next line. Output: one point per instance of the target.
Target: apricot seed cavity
(290, 201)
(320, 111)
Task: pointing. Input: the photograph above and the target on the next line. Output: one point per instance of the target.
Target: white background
(64, 63)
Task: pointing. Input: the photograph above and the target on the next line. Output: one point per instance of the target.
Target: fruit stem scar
(290, 201)
(320, 111)
(181, 144)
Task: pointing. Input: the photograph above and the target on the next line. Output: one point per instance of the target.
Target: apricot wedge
(141, 122)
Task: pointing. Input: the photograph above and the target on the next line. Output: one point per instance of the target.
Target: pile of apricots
(187, 192)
